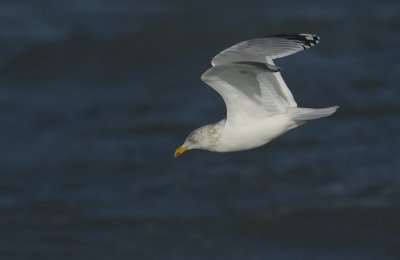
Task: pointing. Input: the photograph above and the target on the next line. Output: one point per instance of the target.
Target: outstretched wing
(248, 89)
(266, 49)
(273, 46)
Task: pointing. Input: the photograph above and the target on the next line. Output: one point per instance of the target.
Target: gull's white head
(205, 138)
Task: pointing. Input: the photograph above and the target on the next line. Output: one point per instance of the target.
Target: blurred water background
(95, 95)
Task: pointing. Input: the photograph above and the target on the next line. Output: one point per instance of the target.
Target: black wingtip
(307, 40)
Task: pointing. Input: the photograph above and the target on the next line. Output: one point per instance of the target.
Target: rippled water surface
(95, 95)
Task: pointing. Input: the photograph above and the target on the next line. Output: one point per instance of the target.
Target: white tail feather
(304, 114)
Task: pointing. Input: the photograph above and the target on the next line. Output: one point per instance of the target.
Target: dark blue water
(95, 96)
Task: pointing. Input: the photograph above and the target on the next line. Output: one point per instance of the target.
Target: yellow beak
(180, 151)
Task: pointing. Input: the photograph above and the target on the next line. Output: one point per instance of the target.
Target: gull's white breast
(252, 135)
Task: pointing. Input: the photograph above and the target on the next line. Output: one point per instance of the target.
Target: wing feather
(264, 50)
(277, 80)
(274, 46)
(248, 90)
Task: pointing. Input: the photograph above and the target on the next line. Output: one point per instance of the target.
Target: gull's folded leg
(273, 68)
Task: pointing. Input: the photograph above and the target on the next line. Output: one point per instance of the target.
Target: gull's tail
(305, 114)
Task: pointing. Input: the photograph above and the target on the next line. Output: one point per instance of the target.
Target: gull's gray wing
(266, 49)
(274, 46)
(248, 89)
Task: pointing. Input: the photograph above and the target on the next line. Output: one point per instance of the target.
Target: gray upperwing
(273, 46)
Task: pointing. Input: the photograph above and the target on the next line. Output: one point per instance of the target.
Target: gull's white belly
(252, 135)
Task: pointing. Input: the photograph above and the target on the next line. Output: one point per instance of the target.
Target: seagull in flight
(259, 105)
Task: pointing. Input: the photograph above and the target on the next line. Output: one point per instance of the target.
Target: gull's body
(260, 107)
(254, 135)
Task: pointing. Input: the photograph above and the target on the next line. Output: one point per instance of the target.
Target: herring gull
(259, 105)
